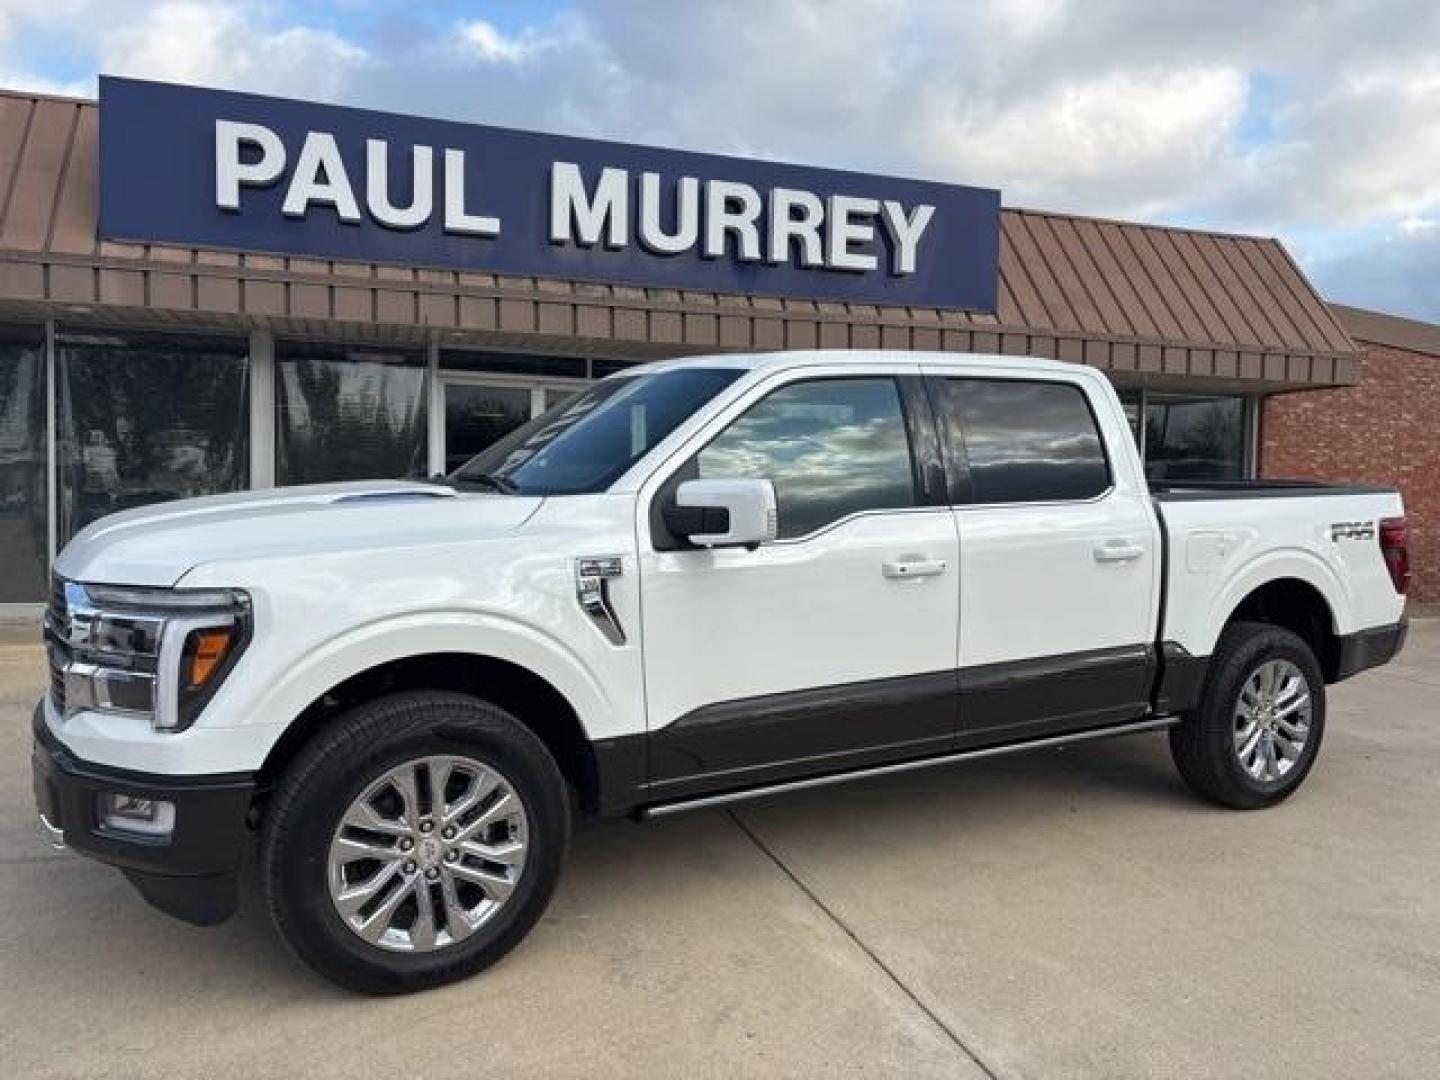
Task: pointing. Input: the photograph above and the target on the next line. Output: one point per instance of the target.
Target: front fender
(284, 694)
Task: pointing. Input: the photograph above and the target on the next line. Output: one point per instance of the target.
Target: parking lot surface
(1069, 913)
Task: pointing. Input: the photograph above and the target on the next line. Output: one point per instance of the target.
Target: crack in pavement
(845, 929)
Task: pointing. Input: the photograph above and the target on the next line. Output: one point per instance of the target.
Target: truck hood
(158, 545)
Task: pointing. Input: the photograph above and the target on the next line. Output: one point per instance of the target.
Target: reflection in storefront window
(346, 414)
(22, 466)
(145, 420)
(478, 416)
(1195, 438)
(1188, 437)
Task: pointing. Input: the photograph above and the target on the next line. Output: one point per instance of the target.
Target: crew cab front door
(833, 647)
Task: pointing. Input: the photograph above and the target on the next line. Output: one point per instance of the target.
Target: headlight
(157, 653)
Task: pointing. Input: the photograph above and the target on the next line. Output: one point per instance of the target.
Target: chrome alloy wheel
(427, 854)
(1272, 720)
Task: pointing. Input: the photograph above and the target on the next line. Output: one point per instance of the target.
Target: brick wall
(1384, 431)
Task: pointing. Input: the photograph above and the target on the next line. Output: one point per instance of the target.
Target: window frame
(920, 426)
(957, 461)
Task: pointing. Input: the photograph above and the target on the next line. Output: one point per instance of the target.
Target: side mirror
(724, 513)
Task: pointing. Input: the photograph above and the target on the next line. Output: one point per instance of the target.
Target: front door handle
(913, 568)
(1118, 551)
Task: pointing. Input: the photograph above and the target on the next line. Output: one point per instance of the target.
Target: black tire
(337, 766)
(1203, 745)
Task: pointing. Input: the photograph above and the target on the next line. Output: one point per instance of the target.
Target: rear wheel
(414, 842)
(1261, 717)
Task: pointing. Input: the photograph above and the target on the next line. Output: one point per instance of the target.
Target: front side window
(831, 447)
(1025, 441)
(587, 442)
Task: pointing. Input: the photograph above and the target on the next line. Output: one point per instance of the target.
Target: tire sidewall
(298, 865)
(1259, 647)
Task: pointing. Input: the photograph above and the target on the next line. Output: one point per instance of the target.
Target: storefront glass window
(347, 414)
(1195, 438)
(144, 420)
(22, 466)
(477, 416)
(1189, 437)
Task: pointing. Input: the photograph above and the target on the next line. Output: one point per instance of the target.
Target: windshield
(587, 443)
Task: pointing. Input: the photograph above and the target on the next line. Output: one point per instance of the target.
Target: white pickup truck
(699, 581)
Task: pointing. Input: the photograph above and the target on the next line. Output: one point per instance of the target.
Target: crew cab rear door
(834, 646)
(1059, 554)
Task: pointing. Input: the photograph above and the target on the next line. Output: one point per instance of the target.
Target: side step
(703, 801)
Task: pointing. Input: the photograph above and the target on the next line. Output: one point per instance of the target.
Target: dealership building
(205, 292)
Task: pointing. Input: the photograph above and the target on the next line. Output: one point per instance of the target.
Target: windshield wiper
(485, 481)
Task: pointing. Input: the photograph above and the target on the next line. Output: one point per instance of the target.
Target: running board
(704, 801)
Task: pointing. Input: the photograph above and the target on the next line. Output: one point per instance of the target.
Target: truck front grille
(57, 651)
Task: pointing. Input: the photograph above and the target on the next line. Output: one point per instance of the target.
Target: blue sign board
(209, 168)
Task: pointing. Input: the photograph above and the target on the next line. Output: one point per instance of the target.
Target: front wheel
(1254, 737)
(415, 841)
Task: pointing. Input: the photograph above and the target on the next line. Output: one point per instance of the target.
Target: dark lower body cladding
(191, 873)
(1369, 648)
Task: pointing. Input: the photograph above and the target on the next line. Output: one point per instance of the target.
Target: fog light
(133, 814)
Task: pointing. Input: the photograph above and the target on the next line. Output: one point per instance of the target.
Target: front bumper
(191, 873)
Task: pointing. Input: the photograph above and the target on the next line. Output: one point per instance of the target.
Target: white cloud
(1123, 142)
(490, 44)
(217, 44)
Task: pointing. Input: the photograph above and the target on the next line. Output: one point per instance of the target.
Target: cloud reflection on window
(831, 447)
(1026, 441)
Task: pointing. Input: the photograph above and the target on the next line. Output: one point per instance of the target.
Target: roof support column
(262, 409)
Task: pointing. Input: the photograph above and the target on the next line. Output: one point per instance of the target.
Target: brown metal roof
(1143, 299)
(1378, 328)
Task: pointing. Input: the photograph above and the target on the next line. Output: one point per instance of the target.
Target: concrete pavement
(1069, 914)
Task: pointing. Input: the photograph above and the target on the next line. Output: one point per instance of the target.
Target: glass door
(476, 410)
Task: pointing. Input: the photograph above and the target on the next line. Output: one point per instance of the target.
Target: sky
(1318, 123)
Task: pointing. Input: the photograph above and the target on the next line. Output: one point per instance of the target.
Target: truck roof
(782, 360)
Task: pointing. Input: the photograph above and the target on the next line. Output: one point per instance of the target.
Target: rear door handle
(1118, 551)
(913, 568)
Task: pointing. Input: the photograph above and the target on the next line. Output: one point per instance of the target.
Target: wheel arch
(529, 697)
(1296, 604)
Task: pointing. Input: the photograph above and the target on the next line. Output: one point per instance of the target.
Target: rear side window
(1025, 441)
(831, 447)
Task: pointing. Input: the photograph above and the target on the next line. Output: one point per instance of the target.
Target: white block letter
(456, 219)
(687, 215)
(607, 211)
(231, 172)
(320, 178)
(731, 207)
(844, 231)
(905, 232)
(786, 225)
(377, 186)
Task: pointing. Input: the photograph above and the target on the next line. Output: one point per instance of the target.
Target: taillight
(1395, 547)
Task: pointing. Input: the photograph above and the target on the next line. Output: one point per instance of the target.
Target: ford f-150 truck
(698, 581)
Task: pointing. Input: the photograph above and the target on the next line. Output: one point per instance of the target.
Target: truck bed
(1225, 538)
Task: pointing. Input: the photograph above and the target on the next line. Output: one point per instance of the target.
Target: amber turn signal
(208, 649)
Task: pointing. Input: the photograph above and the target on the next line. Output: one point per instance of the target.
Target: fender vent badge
(592, 589)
